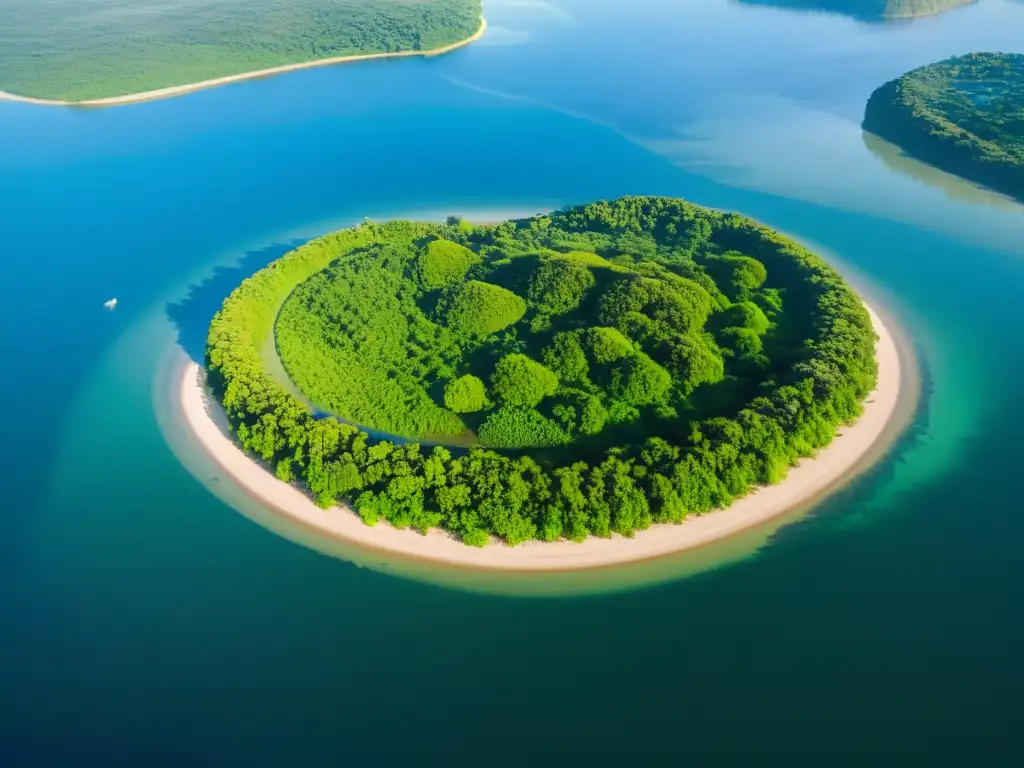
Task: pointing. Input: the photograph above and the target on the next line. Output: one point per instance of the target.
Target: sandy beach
(179, 90)
(808, 481)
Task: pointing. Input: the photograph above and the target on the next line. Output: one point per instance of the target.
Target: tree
(747, 314)
(640, 381)
(520, 381)
(476, 538)
(465, 394)
(693, 359)
(608, 345)
(593, 416)
(566, 357)
(736, 274)
(480, 309)
(743, 341)
(518, 427)
(680, 304)
(558, 286)
(443, 263)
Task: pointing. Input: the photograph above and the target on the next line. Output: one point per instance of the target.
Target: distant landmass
(85, 50)
(964, 115)
(867, 10)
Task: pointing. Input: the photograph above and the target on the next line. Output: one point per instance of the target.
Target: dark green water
(145, 622)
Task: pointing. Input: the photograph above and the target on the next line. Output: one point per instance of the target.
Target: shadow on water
(192, 315)
(955, 187)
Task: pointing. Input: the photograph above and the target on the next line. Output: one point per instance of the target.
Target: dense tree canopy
(75, 50)
(964, 115)
(475, 309)
(518, 380)
(443, 262)
(661, 361)
(465, 394)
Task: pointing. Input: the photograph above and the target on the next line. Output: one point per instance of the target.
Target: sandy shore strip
(806, 482)
(180, 90)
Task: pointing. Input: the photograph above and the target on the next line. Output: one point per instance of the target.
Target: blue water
(144, 621)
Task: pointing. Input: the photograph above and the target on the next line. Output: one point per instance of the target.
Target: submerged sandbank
(180, 90)
(809, 480)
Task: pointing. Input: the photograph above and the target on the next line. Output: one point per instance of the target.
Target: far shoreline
(181, 90)
(851, 452)
(926, 14)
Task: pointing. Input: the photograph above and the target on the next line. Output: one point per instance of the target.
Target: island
(563, 385)
(868, 10)
(109, 52)
(964, 115)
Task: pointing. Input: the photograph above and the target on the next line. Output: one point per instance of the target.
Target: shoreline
(181, 90)
(805, 483)
(925, 14)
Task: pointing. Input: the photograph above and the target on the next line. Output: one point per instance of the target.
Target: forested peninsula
(964, 115)
(868, 10)
(79, 51)
(597, 370)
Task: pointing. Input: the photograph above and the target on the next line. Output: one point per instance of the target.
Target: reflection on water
(866, 10)
(542, 7)
(783, 147)
(955, 187)
(519, 20)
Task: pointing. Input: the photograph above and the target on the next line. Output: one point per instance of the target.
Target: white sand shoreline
(812, 478)
(180, 90)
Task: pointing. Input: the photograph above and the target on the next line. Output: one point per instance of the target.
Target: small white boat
(110, 303)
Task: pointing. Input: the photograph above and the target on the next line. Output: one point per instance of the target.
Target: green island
(868, 10)
(80, 50)
(964, 115)
(582, 373)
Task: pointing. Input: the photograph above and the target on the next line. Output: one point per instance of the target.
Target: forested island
(868, 10)
(84, 50)
(610, 366)
(964, 115)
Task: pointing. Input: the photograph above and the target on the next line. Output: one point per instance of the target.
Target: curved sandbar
(180, 90)
(805, 482)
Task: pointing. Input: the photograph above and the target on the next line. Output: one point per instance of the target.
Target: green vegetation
(443, 263)
(964, 115)
(518, 380)
(868, 10)
(465, 394)
(621, 363)
(478, 309)
(76, 50)
(558, 286)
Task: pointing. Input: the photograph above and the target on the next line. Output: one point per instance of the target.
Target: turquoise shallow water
(143, 620)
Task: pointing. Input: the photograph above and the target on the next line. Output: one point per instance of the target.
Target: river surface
(143, 621)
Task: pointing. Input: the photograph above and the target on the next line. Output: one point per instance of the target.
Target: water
(146, 622)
